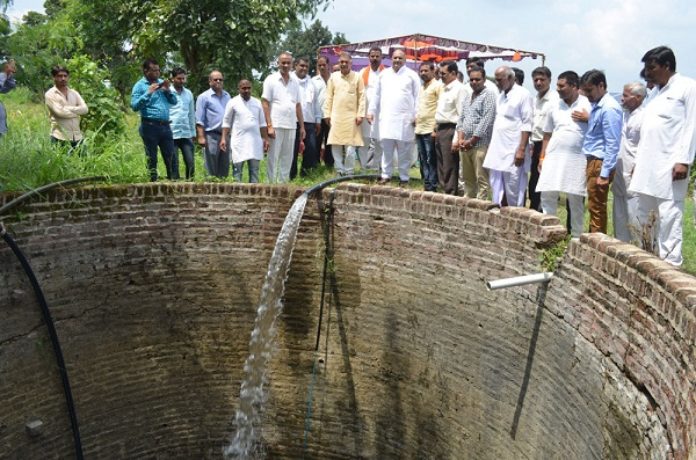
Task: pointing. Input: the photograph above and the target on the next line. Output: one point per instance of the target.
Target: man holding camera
(152, 97)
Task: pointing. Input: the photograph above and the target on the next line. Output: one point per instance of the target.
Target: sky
(611, 35)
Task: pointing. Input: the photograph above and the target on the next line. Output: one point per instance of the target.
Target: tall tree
(304, 41)
(231, 35)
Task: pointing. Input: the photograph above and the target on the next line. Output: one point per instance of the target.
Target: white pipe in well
(535, 278)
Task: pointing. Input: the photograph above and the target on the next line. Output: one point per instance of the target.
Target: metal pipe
(536, 278)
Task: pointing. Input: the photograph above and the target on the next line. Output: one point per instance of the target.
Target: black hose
(326, 183)
(25, 196)
(54, 338)
(327, 253)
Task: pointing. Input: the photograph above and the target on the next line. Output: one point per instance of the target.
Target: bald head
(504, 78)
(398, 60)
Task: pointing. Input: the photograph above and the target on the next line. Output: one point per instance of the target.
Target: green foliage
(105, 114)
(229, 35)
(38, 47)
(553, 255)
(304, 41)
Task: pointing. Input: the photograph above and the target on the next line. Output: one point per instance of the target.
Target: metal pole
(536, 278)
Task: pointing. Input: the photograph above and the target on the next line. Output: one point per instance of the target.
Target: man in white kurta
(371, 155)
(282, 109)
(562, 162)
(507, 158)
(665, 152)
(625, 207)
(249, 137)
(344, 109)
(396, 103)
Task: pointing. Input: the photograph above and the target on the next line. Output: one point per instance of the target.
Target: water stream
(245, 443)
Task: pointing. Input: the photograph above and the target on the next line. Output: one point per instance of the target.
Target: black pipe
(54, 338)
(326, 183)
(327, 254)
(25, 196)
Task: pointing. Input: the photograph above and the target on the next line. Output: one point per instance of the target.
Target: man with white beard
(507, 159)
(625, 208)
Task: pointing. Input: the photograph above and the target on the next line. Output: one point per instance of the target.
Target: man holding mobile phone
(152, 97)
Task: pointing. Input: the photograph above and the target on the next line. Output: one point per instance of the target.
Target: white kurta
(514, 113)
(309, 100)
(370, 130)
(630, 137)
(563, 169)
(245, 119)
(396, 102)
(667, 137)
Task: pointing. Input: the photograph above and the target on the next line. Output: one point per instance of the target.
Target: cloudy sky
(611, 35)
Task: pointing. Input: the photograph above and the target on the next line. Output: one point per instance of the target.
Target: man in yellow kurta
(344, 109)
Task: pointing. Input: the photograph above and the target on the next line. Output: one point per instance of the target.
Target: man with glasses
(210, 108)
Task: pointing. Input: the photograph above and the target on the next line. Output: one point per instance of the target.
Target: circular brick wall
(153, 290)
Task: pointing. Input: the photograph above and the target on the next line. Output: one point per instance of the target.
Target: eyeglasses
(218, 79)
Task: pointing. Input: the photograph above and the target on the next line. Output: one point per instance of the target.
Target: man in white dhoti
(562, 163)
(283, 112)
(371, 155)
(507, 159)
(665, 151)
(396, 103)
(249, 140)
(625, 208)
(343, 110)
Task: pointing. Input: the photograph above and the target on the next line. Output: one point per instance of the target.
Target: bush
(105, 114)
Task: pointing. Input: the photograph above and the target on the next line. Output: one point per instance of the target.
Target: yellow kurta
(345, 100)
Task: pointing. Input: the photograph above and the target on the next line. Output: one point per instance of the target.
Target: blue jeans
(253, 166)
(428, 161)
(187, 149)
(158, 135)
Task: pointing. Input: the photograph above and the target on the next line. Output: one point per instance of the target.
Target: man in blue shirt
(183, 118)
(210, 108)
(601, 144)
(152, 97)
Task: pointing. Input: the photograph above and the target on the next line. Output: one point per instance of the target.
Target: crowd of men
(485, 140)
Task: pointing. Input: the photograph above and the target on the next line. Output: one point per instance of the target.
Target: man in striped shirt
(474, 133)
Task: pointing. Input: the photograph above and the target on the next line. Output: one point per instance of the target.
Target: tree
(234, 36)
(304, 41)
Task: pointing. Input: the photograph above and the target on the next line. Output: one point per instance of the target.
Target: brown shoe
(383, 181)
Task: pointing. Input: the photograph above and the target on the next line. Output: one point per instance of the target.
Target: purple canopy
(424, 48)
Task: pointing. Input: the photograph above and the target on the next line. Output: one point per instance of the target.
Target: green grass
(29, 160)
